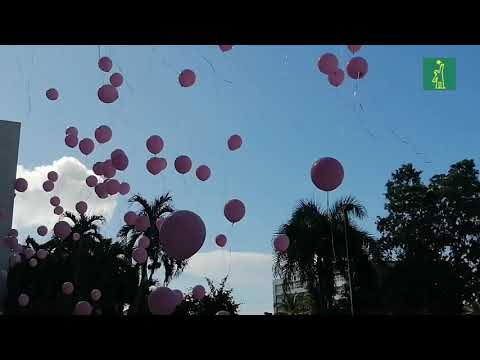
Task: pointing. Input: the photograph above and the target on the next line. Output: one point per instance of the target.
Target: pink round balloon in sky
(155, 165)
(116, 79)
(142, 223)
(225, 48)
(52, 176)
(54, 201)
(221, 240)
(124, 188)
(83, 308)
(234, 210)
(101, 190)
(98, 168)
(48, 185)
(113, 186)
(281, 243)
(183, 164)
(62, 229)
(81, 207)
(327, 174)
(58, 210)
(107, 94)
(109, 170)
(120, 161)
(52, 94)
(86, 146)
(103, 134)
(155, 144)
(198, 292)
(42, 230)
(130, 218)
(327, 63)
(140, 255)
(187, 78)
(72, 130)
(357, 68)
(71, 141)
(21, 185)
(354, 48)
(144, 242)
(67, 288)
(91, 181)
(162, 301)
(336, 77)
(234, 142)
(105, 63)
(203, 172)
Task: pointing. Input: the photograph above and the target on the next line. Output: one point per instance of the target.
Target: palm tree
(295, 304)
(472, 309)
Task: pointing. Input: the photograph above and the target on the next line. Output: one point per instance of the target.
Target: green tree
(295, 304)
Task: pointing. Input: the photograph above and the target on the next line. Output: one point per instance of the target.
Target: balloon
(336, 77)
(42, 254)
(101, 190)
(124, 188)
(113, 186)
(52, 176)
(327, 63)
(54, 201)
(120, 161)
(42, 230)
(116, 79)
(33, 262)
(203, 172)
(178, 296)
(52, 94)
(234, 210)
(109, 170)
(162, 301)
(76, 236)
(115, 153)
(140, 255)
(221, 240)
(234, 142)
(183, 234)
(155, 165)
(86, 146)
(183, 164)
(354, 48)
(72, 130)
(103, 134)
(12, 233)
(142, 223)
(98, 168)
(23, 300)
(71, 141)
(83, 308)
(67, 288)
(21, 185)
(48, 185)
(105, 64)
(144, 242)
(58, 210)
(357, 68)
(198, 292)
(327, 174)
(281, 243)
(222, 312)
(108, 94)
(154, 144)
(225, 48)
(95, 294)
(91, 181)
(130, 218)
(187, 78)
(159, 223)
(62, 229)
(81, 207)
(29, 253)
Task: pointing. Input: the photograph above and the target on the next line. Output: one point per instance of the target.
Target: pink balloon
(108, 94)
(159, 223)
(52, 176)
(98, 168)
(124, 188)
(357, 68)
(221, 240)
(21, 185)
(142, 223)
(225, 48)
(130, 218)
(23, 300)
(67, 288)
(109, 170)
(113, 186)
(12, 233)
(154, 144)
(54, 201)
(83, 308)
(187, 78)
(81, 207)
(281, 243)
(354, 48)
(101, 190)
(183, 234)
(71, 141)
(336, 77)
(58, 210)
(29, 253)
(234, 142)
(144, 242)
(116, 79)
(115, 153)
(42, 230)
(198, 292)
(183, 164)
(62, 229)
(48, 185)
(162, 301)
(203, 172)
(72, 130)
(327, 63)
(140, 255)
(120, 161)
(76, 236)
(327, 174)
(155, 165)
(234, 210)
(33, 262)
(52, 94)
(42, 254)
(95, 295)
(103, 134)
(178, 296)
(91, 181)
(86, 146)
(105, 64)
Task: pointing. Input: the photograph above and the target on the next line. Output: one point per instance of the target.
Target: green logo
(439, 74)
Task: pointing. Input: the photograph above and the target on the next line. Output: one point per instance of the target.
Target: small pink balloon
(130, 218)
(71, 141)
(95, 295)
(155, 144)
(120, 161)
(234, 210)
(281, 243)
(72, 130)
(98, 168)
(67, 288)
(48, 185)
(155, 165)
(327, 63)
(86, 146)
(113, 186)
(76, 236)
(225, 48)
(91, 181)
(162, 301)
(187, 78)
(33, 262)
(221, 240)
(159, 223)
(21, 185)
(142, 223)
(105, 64)
(198, 292)
(183, 164)
(101, 190)
(23, 300)
(144, 242)
(327, 174)
(116, 79)
(124, 188)
(52, 94)
(140, 255)
(203, 172)
(108, 94)
(52, 176)
(234, 142)
(42, 254)
(357, 68)
(83, 308)
(81, 207)
(109, 170)
(103, 134)
(354, 48)
(12, 233)
(62, 229)
(29, 253)
(58, 210)
(336, 77)
(178, 296)
(42, 230)
(54, 201)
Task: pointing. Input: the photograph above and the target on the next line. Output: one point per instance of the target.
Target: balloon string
(331, 228)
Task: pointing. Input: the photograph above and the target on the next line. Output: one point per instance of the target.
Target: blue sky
(275, 97)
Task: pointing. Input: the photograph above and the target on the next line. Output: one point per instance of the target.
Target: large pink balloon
(354, 48)
(336, 77)
(98, 168)
(105, 64)
(95, 294)
(234, 210)
(67, 288)
(71, 141)
(103, 134)
(109, 170)
(281, 243)
(327, 63)
(116, 79)
(120, 161)
(42, 230)
(162, 301)
(225, 48)
(72, 130)
(198, 292)
(52, 176)
(58, 210)
(91, 181)
(140, 255)
(142, 223)
(62, 229)
(221, 240)
(130, 218)
(48, 185)
(183, 234)
(203, 172)
(178, 296)
(54, 201)
(101, 190)
(183, 164)
(86, 146)
(155, 165)
(327, 174)
(21, 185)
(124, 188)
(42, 254)
(154, 144)
(108, 94)
(83, 308)
(187, 78)
(81, 207)
(357, 68)
(113, 186)
(23, 300)
(52, 94)
(234, 142)
(144, 242)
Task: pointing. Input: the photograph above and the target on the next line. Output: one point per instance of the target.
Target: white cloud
(32, 208)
